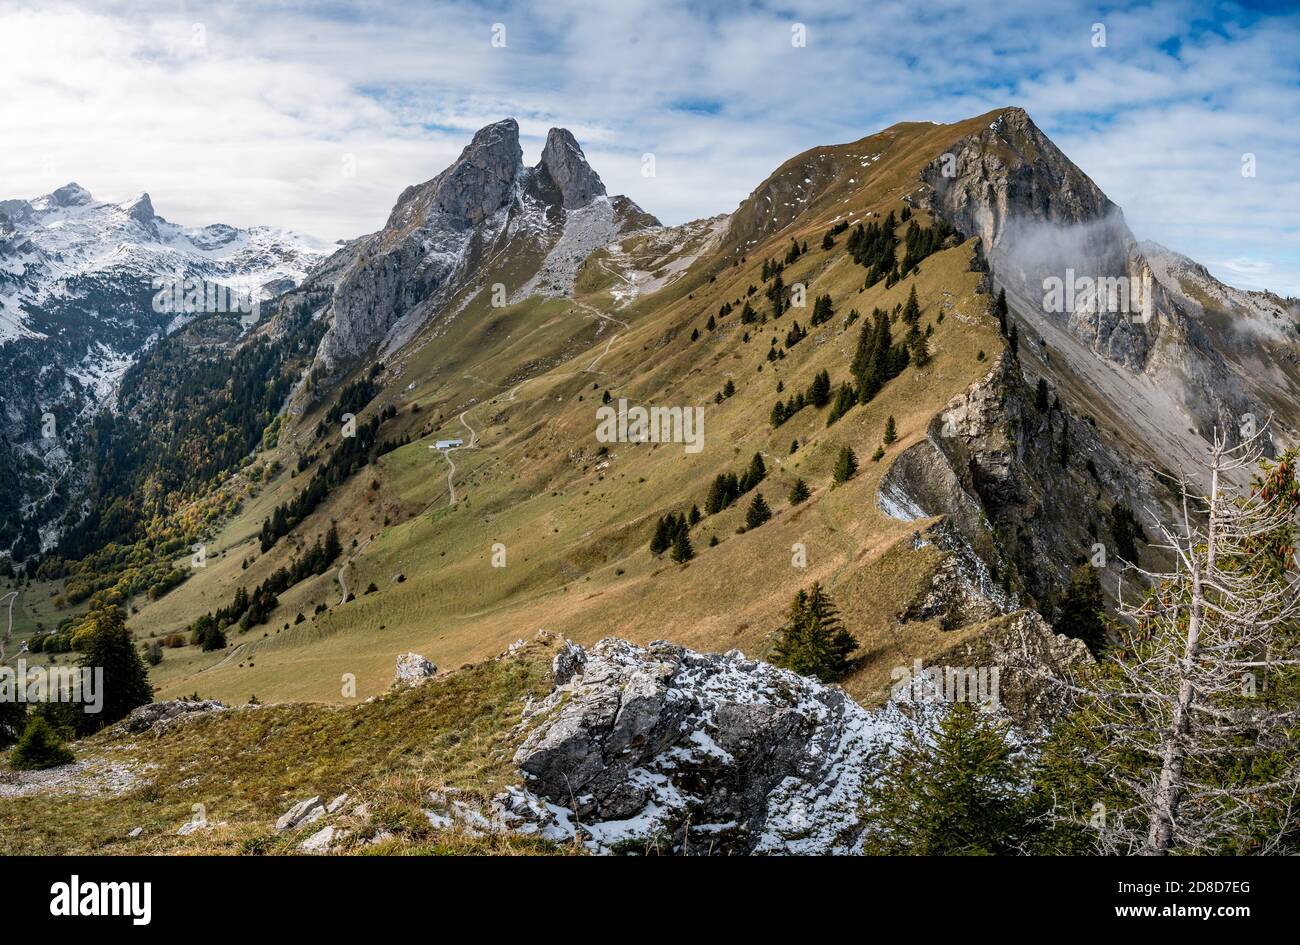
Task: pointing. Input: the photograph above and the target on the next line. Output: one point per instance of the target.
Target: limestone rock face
(661, 747)
(567, 166)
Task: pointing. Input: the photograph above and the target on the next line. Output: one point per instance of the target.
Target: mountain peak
(563, 160)
(141, 209)
(71, 195)
(474, 186)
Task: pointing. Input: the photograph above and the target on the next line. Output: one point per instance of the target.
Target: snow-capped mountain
(50, 244)
(85, 287)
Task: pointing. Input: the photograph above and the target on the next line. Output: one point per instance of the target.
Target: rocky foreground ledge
(664, 748)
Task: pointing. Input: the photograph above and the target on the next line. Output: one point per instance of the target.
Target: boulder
(412, 670)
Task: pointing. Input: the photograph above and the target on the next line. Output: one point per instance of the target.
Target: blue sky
(315, 116)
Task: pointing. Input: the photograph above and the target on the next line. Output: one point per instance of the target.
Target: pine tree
(813, 642)
(39, 747)
(820, 390)
(921, 350)
(682, 550)
(891, 434)
(799, 492)
(662, 540)
(108, 646)
(844, 401)
(694, 517)
(333, 547)
(758, 512)
(951, 791)
(1080, 613)
(711, 324)
(912, 310)
(846, 465)
(1013, 341)
(1000, 310)
(729, 388)
(1040, 395)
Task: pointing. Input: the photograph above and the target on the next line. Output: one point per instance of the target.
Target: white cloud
(254, 122)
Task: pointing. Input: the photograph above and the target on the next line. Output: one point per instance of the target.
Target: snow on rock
(663, 748)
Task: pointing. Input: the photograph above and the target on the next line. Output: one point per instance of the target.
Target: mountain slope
(79, 302)
(985, 502)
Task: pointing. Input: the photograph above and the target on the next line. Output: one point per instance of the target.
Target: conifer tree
(820, 390)
(1013, 341)
(39, 747)
(799, 492)
(891, 434)
(846, 465)
(951, 790)
(682, 550)
(912, 310)
(1000, 310)
(108, 646)
(813, 642)
(662, 540)
(758, 512)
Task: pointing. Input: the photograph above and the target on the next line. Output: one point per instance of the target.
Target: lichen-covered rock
(158, 714)
(663, 748)
(412, 670)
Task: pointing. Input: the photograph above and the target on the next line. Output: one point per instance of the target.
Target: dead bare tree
(1196, 718)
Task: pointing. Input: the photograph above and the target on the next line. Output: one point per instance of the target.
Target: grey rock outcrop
(664, 748)
(1092, 307)
(304, 812)
(412, 670)
(160, 714)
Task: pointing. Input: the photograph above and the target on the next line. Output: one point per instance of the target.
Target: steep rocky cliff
(487, 210)
(1095, 318)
